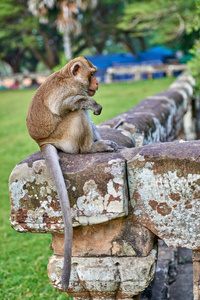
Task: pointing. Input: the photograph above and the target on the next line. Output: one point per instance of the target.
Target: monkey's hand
(97, 109)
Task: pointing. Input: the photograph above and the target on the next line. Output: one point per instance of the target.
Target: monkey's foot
(105, 146)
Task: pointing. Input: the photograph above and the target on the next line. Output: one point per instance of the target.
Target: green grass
(24, 257)
(119, 97)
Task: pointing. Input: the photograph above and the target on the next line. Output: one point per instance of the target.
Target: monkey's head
(83, 72)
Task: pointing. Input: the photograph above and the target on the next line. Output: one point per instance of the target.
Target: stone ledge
(158, 118)
(97, 188)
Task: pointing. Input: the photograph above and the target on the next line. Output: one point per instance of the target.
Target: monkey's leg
(100, 145)
(52, 160)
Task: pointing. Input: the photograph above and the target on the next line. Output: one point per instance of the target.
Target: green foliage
(194, 24)
(163, 22)
(62, 62)
(110, 26)
(14, 27)
(194, 63)
(99, 31)
(24, 257)
(138, 15)
(21, 33)
(6, 7)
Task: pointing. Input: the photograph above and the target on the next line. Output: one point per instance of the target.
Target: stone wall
(120, 201)
(158, 118)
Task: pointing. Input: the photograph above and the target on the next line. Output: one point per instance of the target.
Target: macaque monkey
(58, 118)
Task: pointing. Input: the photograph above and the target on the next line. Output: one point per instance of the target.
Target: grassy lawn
(24, 257)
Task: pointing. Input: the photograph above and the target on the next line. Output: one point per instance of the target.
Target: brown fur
(58, 119)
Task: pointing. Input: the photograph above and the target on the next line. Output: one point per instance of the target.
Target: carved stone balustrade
(120, 202)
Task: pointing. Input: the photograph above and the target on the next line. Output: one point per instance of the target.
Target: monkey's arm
(52, 160)
(96, 135)
(80, 102)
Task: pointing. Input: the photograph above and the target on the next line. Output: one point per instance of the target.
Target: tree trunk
(127, 43)
(67, 46)
(49, 50)
(142, 43)
(40, 57)
(14, 61)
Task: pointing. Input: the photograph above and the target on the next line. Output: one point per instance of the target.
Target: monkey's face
(93, 84)
(83, 71)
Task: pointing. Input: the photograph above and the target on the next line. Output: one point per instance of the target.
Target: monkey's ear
(75, 69)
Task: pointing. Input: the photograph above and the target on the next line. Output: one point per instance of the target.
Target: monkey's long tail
(52, 160)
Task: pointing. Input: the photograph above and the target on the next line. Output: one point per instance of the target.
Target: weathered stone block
(97, 189)
(123, 237)
(164, 185)
(105, 277)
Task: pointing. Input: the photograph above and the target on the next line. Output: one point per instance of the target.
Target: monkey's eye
(92, 74)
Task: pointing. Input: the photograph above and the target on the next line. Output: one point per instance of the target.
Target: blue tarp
(105, 61)
(156, 55)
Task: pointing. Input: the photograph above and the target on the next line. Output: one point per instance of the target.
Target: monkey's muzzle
(91, 92)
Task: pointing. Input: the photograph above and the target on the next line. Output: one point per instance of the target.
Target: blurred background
(43, 35)
(138, 44)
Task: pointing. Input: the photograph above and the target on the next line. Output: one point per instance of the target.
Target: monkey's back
(41, 122)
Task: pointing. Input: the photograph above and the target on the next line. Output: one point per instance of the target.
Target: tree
(23, 40)
(87, 24)
(163, 22)
(100, 31)
(39, 30)
(194, 64)
(66, 17)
